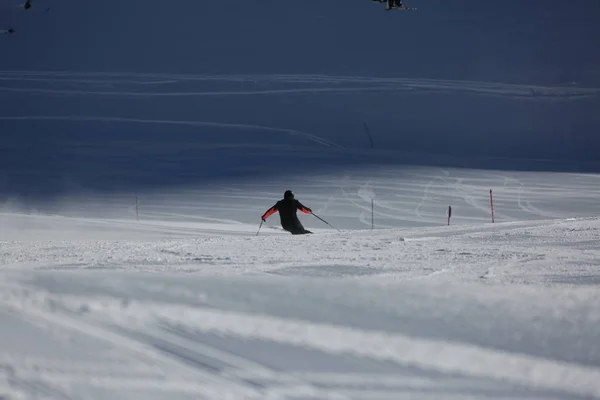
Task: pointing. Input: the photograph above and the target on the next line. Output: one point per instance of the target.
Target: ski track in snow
(258, 128)
(341, 84)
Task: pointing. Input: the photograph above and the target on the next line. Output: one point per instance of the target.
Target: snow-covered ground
(140, 143)
(190, 303)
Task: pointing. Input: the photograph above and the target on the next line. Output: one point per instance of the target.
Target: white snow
(189, 303)
(304, 83)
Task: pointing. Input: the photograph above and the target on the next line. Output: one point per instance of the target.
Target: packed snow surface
(201, 307)
(140, 145)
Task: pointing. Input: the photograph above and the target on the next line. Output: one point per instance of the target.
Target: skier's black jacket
(288, 207)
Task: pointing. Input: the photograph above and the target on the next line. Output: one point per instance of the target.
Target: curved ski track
(292, 132)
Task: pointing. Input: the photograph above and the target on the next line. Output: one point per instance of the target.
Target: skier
(392, 4)
(288, 208)
(395, 4)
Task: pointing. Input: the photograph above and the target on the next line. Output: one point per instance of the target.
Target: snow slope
(189, 302)
(197, 92)
(505, 310)
(347, 197)
(142, 140)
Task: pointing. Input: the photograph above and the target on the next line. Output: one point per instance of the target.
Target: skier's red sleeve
(269, 212)
(304, 209)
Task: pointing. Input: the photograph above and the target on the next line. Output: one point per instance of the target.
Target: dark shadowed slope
(123, 94)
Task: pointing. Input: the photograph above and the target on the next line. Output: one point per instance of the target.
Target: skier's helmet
(288, 195)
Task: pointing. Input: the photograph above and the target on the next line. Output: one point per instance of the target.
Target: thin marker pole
(492, 205)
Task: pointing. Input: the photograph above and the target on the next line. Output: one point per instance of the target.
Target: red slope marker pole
(492, 205)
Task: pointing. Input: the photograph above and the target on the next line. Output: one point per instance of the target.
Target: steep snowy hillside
(185, 91)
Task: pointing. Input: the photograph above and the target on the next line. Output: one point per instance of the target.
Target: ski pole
(260, 226)
(326, 222)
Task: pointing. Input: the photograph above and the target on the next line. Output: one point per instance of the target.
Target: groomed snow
(169, 307)
(141, 143)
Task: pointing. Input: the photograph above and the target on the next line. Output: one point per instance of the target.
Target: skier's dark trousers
(288, 208)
